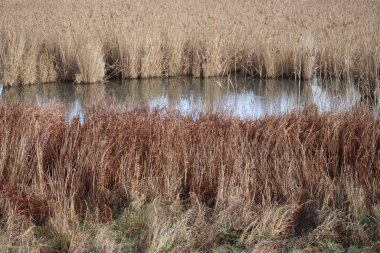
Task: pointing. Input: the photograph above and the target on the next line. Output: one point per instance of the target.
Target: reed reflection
(239, 96)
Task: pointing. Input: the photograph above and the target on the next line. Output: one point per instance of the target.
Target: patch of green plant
(357, 249)
(331, 247)
(235, 249)
(61, 243)
(130, 227)
(229, 236)
(368, 220)
(370, 226)
(295, 250)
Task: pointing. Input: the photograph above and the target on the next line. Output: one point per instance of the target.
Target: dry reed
(162, 182)
(297, 39)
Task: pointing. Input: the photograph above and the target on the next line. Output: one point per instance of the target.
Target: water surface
(239, 96)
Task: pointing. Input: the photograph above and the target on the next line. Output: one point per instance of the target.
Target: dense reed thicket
(85, 41)
(156, 181)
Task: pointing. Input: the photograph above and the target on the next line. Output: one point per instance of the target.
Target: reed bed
(88, 41)
(157, 181)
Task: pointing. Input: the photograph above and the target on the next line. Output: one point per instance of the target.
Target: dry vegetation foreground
(156, 181)
(86, 40)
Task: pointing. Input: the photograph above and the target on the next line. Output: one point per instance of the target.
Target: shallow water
(239, 96)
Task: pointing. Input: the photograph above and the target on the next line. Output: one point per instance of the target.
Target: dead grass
(161, 182)
(88, 41)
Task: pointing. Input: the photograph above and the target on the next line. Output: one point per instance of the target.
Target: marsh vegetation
(124, 177)
(157, 181)
(88, 41)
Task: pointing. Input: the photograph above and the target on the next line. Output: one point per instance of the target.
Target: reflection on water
(240, 96)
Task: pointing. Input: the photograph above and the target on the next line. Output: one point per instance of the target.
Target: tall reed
(133, 39)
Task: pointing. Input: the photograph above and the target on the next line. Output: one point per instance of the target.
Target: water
(240, 96)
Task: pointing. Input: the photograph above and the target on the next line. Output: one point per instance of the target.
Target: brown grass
(87, 41)
(306, 180)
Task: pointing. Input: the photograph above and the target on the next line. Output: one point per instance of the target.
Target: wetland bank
(253, 151)
(158, 181)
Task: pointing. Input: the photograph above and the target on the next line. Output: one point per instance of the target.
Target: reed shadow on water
(240, 96)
